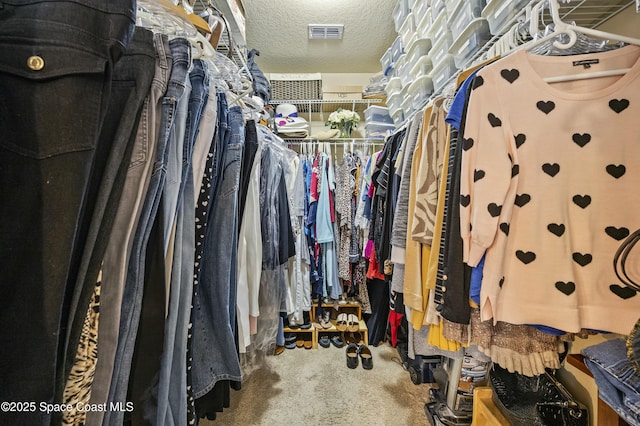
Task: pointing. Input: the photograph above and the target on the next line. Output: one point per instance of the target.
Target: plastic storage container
(387, 62)
(500, 13)
(403, 68)
(470, 41)
(437, 6)
(419, 91)
(438, 27)
(393, 86)
(419, 10)
(462, 16)
(394, 102)
(407, 106)
(400, 12)
(379, 130)
(377, 114)
(417, 49)
(397, 49)
(424, 25)
(398, 117)
(441, 48)
(442, 72)
(407, 30)
(422, 67)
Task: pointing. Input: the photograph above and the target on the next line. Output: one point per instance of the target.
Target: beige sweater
(551, 186)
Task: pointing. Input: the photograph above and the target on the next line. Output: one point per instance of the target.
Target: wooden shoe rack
(342, 308)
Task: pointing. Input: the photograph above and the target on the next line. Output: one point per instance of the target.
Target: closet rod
(341, 141)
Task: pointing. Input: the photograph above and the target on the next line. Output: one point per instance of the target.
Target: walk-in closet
(339, 212)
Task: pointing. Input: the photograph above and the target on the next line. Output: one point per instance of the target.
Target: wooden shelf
(312, 331)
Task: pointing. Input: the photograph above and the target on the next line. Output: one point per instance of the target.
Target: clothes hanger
(571, 31)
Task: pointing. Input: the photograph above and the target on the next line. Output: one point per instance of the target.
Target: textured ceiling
(278, 29)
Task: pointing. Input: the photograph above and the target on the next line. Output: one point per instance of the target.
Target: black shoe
(365, 357)
(306, 319)
(352, 355)
(290, 345)
(337, 341)
(324, 341)
(290, 338)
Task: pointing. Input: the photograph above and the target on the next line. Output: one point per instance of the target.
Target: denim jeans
(172, 397)
(133, 291)
(131, 82)
(56, 64)
(214, 352)
(119, 246)
(618, 383)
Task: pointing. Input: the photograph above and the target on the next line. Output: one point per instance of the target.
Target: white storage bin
(437, 6)
(501, 12)
(403, 69)
(441, 48)
(393, 86)
(394, 102)
(400, 12)
(470, 41)
(442, 72)
(407, 106)
(419, 10)
(462, 16)
(422, 67)
(438, 27)
(377, 114)
(386, 61)
(397, 116)
(424, 25)
(419, 91)
(407, 30)
(379, 130)
(417, 49)
(397, 49)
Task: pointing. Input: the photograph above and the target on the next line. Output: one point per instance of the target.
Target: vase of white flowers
(343, 120)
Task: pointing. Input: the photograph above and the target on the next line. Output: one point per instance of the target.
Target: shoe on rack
(341, 322)
(365, 357)
(306, 321)
(325, 322)
(352, 355)
(353, 324)
(290, 337)
(337, 341)
(278, 350)
(290, 345)
(308, 344)
(324, 341)
(300, 340)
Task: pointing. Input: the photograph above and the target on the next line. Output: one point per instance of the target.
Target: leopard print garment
(78, 387)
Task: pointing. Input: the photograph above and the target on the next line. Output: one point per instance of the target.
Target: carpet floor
(315, 387)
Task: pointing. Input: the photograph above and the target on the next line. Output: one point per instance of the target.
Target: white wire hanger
(571, 31)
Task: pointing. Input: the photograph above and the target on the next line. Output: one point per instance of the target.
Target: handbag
(621, 261)
(535, 401)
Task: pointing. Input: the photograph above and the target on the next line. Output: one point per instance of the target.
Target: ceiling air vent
(325, 32)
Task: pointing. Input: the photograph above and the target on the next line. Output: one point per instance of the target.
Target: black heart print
(477, 82)
(467, 143)
(617, 233)
(477, 175)
(582, 259)
(581, 139)
(465, 200)
(556, 228)
(501, 283)
(510, 75)
(622, 292)
(494, 209)
(520, 139)
(504, 227)
(522, 199)
(566, 287)
(493, 120)
(515, 170)
(618, 105)
(551, 169)
(582, 200)
(616, 171)
(546, 106)
(525, 257)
